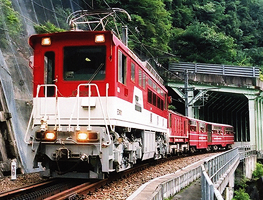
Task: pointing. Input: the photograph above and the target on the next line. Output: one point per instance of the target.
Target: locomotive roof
(34, 39)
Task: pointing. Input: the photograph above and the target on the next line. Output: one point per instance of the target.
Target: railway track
(60, 189)
(67, 189)
(40, 190)
(82, 190)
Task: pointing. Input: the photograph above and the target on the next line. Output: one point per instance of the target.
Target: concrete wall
(250, 166)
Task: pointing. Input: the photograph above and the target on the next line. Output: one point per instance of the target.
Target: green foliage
(201, 43)
(169, 198)
(258, 172)
(227, 32)
(216, 31)
(62, 17)
(242, 183)
(241, 195)
(151, 25)
(9, 20)
(48, 27)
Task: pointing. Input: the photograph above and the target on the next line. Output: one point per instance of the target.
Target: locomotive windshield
(84, 63)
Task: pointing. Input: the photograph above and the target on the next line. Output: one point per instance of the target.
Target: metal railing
(216, 69)
(176, 184)
(246, 151)
(46, 104)
(214, 169)
(219, 167)
(208, 189)
(212, 172)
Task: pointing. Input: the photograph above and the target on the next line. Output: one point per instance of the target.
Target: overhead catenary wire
(144, 47)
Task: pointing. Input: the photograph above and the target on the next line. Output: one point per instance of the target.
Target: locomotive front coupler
(63, 153)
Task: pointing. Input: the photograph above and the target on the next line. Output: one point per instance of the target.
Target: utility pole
(189, 97)
(186, 104)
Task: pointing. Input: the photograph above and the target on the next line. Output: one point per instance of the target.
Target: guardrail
(175, 185)
(246, 151)
(208, 189)
(218, 165)
(216, 69)
(214, 169)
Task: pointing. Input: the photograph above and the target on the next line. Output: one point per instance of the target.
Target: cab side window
(122, 67)
(133, 72)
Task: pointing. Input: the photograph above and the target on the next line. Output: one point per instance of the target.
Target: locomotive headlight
(46, 135)
(50, 136)
(87, 136)
(46, 41)
(82, 136)
(100, 38)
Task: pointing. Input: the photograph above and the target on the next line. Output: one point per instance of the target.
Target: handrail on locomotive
(89, 85)
(44, 119)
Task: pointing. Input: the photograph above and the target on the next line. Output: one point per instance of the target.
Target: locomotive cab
(72, 58)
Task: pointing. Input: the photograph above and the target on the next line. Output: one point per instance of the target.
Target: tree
(258, 172)
(241, 195)
(215, 31)
(152, 25)
(201, 43)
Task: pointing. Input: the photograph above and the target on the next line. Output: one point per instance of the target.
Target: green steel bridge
(220, 93)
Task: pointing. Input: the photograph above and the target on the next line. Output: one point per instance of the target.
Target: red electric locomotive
(97, 108)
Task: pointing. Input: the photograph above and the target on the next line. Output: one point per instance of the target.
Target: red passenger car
(189, 134)
(198, 134)
(220, 136)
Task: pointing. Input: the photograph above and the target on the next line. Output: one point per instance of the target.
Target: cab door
(49, 73)
(209, 133)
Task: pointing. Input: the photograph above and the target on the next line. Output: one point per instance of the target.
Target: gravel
(124, 188)
(22, 180)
